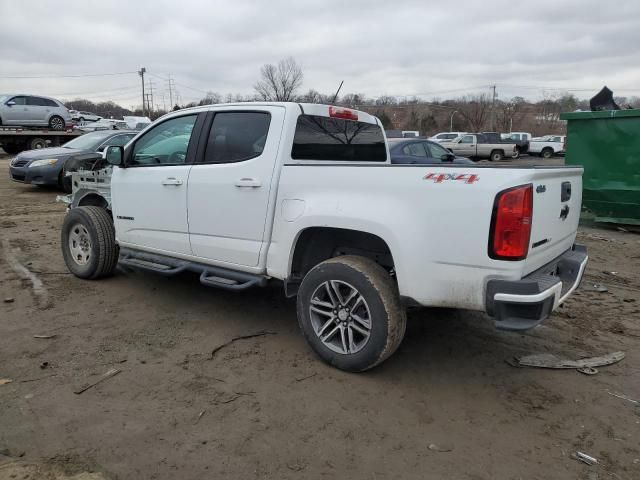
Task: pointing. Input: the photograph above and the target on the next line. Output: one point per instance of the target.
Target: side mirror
(448, 157)
(10, 103)
(114, 155)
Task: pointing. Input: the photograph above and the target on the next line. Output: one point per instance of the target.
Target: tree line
(474, 113)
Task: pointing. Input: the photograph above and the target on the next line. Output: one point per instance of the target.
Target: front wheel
(350, 313)
(547, 153)
(88, 242)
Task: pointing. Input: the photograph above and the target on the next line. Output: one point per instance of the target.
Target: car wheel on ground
(350, 313)
(496, 156)
(12, 148)
(546, 153)
(88, 242)
(56, 123)
(516, 154)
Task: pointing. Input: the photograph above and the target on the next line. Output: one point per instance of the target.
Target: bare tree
(279, 82)
(475, 110)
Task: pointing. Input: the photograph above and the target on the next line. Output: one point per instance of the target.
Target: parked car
(305, 194)
(33, 111)
(82, 117)
(137, 123)
(46, 166)
(421, 151)
(479, 146)
(548, 146)
(104, 124)
(522, 145)
(445, 136)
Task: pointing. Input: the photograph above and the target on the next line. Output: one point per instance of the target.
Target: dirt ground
(446, 405)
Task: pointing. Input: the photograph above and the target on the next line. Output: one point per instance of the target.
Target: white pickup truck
(548, 146)
(306, 195)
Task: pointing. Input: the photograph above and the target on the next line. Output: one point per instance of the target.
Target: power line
(68, 76)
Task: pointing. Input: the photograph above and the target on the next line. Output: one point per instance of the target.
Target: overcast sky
(439, 49)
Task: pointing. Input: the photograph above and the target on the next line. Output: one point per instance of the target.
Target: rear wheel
(12, 148)
(547, 152)
(516, 153)
(88, 242)
(37, 143)
(56, 123)
(496, 156)
(350, 313)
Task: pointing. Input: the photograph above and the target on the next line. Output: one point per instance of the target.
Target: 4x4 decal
(461, 177)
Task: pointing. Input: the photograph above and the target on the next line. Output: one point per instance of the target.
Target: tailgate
(557, 201)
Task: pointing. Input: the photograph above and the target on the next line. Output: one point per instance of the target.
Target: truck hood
(53, 152)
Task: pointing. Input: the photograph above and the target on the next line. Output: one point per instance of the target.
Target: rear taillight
(339, 112)
(511, 223)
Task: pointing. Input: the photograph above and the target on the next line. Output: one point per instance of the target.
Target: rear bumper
(523, 304)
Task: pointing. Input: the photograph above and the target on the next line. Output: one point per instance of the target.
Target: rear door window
(415, 150)
(237, 136)
(437, 151)
(36, 102)
(467, 139)
(335, 139)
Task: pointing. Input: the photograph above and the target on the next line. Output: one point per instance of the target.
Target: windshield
(88, 141)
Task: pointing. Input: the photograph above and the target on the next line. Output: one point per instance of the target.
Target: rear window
(334, 139)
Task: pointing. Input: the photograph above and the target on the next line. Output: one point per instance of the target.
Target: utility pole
(141, 72)
(451, 120)
(493, 110)
(170, 93)
(150, 97)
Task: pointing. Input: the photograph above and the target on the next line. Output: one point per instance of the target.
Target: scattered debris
(9, 300)
(199, 417)
(587, 370)
(548, 360)
(44, 365)
(45, 337)
(624, 397)
(307, 377)
(622, 229)
(4, 381)
(583, 457)
(296, 467)
(599, 288)
(610, 273)
(241, 337)
(111, 373)
(39, 290)
(39, 378)
(11, 453)
(236, 396)
(440, 448)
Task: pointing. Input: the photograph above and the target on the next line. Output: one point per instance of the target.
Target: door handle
(171, 181)
(248, 182)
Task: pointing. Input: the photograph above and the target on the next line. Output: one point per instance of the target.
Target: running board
(209, 275)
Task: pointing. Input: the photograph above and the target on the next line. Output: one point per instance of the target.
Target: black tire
(387, 317)
(496, 156)
(37, 143)
(56, 123)
(12, 148)
(546, 152)
(102, 255)
(516, 154)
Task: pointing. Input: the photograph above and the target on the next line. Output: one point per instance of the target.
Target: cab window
(165, 144)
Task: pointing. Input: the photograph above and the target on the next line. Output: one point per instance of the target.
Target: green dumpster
(607, 144)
